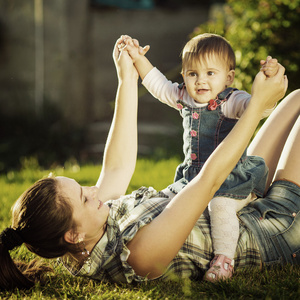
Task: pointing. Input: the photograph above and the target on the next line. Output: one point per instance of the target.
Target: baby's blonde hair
(205, 45)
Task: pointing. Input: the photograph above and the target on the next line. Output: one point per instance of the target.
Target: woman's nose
(94, 190)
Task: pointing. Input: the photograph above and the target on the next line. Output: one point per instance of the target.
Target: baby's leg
(224, 232)
(224, 224)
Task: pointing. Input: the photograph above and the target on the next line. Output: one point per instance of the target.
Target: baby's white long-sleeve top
(168, 92)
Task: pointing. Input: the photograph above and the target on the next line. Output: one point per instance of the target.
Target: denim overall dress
(204, 129)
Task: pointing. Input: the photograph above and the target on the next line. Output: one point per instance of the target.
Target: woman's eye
(85, 200)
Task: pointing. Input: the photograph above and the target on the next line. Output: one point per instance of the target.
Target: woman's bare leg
(271, 138)
(289, 164)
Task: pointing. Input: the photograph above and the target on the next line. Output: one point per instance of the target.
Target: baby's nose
(200, 79)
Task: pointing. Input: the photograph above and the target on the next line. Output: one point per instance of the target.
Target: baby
(210, 108)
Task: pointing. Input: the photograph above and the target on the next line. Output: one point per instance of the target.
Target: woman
(143, 235)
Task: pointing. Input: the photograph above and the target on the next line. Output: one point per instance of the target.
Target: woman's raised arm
(156, 244)
(121, 146)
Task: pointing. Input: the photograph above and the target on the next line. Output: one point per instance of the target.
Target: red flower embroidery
(193, 133)
(180, 106)
(212, 104)
(195, 116)
(193, 156)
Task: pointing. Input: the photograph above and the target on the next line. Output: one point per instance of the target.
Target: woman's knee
(294, 99)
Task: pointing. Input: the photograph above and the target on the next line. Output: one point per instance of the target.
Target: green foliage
(256, 29)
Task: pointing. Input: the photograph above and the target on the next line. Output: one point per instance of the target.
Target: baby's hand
(142, 50)
(132, 46)
(269, 66)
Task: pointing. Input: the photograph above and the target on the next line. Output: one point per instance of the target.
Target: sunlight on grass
(277, 283)
(158, 174)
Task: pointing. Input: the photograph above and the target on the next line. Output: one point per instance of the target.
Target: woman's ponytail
(10, 275)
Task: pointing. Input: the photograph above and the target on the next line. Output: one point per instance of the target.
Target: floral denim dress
(204, 129)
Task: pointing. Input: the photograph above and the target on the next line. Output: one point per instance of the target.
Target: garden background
(58, 82)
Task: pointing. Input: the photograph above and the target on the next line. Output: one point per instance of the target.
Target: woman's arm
(156, 244)
(121, 146)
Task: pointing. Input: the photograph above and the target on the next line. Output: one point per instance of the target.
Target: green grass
(246, 284)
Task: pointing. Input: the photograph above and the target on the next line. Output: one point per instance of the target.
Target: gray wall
(64, 57)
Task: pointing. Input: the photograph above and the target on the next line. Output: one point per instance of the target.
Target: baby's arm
(137, 53)
(269, 66)
(154, 81)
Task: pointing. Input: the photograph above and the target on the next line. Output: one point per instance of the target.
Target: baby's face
(204, 80)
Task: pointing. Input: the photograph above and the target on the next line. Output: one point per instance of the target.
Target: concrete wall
(62, 54)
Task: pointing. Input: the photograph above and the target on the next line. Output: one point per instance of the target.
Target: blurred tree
(255, 29)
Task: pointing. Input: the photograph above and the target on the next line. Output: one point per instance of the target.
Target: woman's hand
(123, 62)
(267, 91)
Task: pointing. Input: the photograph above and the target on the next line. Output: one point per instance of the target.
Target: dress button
(195, 116)
(193, 156)
(179, 106)
(193, 133)
(294, 255)
(260, 218)
(294, 214)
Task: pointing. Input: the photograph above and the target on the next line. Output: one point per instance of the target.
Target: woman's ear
(73, 237)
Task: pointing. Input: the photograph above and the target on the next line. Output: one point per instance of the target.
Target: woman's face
(89, 213)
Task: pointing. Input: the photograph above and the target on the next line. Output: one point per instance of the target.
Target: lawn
(246, 284)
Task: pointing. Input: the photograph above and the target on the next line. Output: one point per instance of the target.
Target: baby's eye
(210, 73)
(192, 74)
